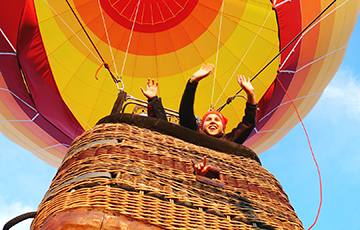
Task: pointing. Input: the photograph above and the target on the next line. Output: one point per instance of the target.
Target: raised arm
(155, 107)
(186, 111)
(246, 85)
(244, 128)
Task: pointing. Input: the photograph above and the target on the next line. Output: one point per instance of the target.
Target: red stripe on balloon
(153, 16)
(54, 116)
(174, 32)
(289, 25)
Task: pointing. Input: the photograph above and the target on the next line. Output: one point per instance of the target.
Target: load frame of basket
(134, 172)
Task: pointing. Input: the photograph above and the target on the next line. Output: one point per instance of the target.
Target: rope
(311, 150)
(86, 33)
(116, 81)
(217, 53)
(7, 53)
(298, 114)
(56, 145)
(69, 28)
(313, 61)
(8, 41)
(19, 98)
(107, 37)
(285, 103)
(129, 41)
(301, 34)
(281, 3)
(18, 219)
(243, 57)
(230, 99)
(309, 29)
(97, 71)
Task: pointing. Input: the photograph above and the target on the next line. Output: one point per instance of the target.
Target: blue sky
(333, 127)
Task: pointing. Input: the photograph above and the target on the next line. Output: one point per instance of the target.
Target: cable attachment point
(228, 101)
(116, 80)
(120, 86)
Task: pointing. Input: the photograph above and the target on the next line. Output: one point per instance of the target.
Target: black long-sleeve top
(156, 109)
(188, 120)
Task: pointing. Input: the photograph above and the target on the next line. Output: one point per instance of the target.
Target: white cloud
(337, 120)
(9, 211)
(342, 96)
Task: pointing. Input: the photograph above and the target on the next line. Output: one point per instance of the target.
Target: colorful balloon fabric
(53, 84)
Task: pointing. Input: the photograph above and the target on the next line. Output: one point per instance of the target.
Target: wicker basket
(121, 176)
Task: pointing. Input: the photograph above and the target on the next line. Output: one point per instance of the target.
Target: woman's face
(213, 125)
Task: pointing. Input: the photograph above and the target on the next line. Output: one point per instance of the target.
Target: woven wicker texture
(131, 172)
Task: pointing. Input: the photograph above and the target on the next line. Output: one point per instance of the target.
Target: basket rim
(182, 133)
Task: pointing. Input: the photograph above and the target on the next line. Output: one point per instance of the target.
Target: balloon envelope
(48, 81)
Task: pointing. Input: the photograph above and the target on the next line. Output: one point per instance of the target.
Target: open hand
(151, 89)
(245, 84)
(203, 72)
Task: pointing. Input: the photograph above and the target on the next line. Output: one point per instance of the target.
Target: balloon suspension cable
(231, 98)
(295, 108)
(243, 56)
(130, 38)
(104, 63)
(107, 37)
(72, 31)
(117, 81)
(217, 54)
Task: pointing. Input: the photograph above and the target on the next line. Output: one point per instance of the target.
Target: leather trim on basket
(182, 133)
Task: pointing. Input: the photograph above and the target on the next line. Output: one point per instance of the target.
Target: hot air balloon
(63, 63)
(50, 94)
